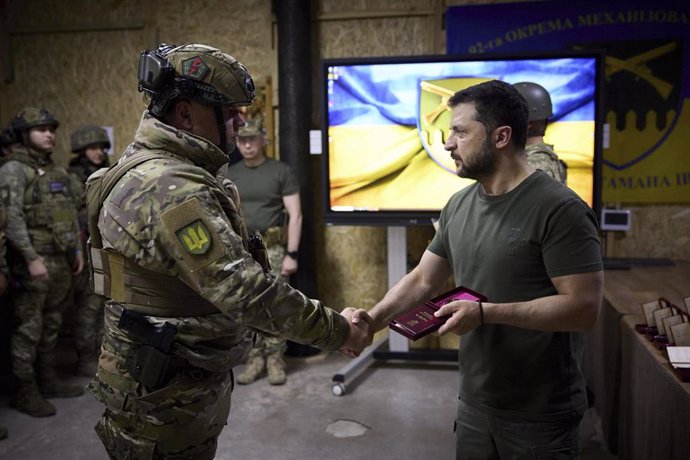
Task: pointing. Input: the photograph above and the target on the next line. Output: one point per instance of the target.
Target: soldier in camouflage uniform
(91, 144)
(43, 234)
(539, 154)
(170, 251)
(268, 190)
(8, 141)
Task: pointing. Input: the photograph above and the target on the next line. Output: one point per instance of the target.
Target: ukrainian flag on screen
(388, 124)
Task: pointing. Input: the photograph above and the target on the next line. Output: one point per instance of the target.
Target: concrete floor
(392, 411)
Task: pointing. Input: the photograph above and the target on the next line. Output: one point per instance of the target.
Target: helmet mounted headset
(163, 83)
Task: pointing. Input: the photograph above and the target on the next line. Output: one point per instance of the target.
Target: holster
(148, 366)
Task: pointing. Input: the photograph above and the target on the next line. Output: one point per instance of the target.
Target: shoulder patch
(194, 237)
(189, 225)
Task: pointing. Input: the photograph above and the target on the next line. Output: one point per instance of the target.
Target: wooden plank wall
(79, 59)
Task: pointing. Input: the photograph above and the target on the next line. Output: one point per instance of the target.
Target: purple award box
(421, 321)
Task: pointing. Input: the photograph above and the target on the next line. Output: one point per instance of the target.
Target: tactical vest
(121, 279)
(50, 212)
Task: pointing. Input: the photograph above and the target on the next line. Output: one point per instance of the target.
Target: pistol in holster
(258, 250)
(148, 360)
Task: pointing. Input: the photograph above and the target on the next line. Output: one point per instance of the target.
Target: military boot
(51, 386)
(255, 368)
(276, 370)
(30, 401)
(87, 363)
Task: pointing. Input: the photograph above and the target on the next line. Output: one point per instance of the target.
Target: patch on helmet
(194, 67)
(195, 238)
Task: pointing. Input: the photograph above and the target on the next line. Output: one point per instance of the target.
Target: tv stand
(394, 346)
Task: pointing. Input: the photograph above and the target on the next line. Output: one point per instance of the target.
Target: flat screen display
(386, 121)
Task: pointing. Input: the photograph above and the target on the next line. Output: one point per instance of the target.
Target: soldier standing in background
(91, 144)
(539, 154)
(268, 191)
(8, 141)
(4, 269)
(42, 231)
(185, 284)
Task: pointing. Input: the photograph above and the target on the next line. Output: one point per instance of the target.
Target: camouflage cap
(214, 70)
(538, 100)
(87, 135)
(252, 127)
(30, 117)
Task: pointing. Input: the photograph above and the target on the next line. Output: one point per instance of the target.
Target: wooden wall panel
(79, 59)
(656, 231)
(81, 78)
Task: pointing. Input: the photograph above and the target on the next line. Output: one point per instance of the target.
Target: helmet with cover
(198, 72)
(538, 100)
(8, 137)
(30, 117)
(87, 135)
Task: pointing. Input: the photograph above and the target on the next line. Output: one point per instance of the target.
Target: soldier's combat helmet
(8, 136)
(198, 72)
(30, 117)
(538, 100)
(87, 135)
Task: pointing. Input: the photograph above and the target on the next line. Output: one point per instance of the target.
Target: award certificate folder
(421, 321)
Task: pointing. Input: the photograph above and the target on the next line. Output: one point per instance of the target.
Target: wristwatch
(292, 254)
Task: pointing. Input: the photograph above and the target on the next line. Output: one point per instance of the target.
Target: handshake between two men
(457, 312)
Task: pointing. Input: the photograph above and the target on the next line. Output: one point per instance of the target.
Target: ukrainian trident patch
(194, 67)
(194, 237)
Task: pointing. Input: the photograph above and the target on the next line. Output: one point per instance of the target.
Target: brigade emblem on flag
(194, 67)
(194, 238)
(433, 117)
(642, 96)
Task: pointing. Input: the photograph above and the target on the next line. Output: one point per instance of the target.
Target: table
(654, 412)
(643, 405)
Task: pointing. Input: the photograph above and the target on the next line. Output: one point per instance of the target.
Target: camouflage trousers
(267, 345)
(38, 313)
(88, 318)
(182, 420)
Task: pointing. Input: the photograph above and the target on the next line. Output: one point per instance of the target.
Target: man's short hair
(496, 103)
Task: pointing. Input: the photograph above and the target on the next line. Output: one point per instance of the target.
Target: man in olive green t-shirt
(530, 245)
(270, 200)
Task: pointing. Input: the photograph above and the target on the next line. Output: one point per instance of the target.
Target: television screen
(387, 119)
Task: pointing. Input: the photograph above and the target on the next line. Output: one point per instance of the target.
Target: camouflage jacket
(41, 212)
(80, 169)
(541, 156)
(174, 217)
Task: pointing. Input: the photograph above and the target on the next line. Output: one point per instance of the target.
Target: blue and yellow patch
(195, 238)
